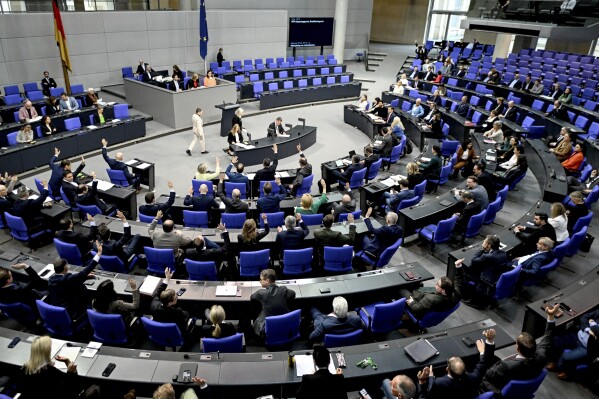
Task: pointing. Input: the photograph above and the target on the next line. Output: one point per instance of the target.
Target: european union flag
(203, 31)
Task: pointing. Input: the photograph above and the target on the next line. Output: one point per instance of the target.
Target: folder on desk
(421, 350)
(144, 165)
(149, 285)
(339, 163)
(226, 290)
(283, 174)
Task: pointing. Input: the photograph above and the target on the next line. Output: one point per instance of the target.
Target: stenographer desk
(24, 157)
(287, 146)
(581, 296)
(282, 98)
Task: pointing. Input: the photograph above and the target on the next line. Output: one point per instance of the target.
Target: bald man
(27, 112)
(167, 237)
(118, 164)
(347, 204)
(401, 387)
(233, 204)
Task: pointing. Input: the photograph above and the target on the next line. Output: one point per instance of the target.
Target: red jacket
(574, 161)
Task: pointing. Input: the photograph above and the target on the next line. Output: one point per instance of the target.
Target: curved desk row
(24, 157)
(252, 374)
(7, 111)
(246, 89)
(312, 94)
(367, 123)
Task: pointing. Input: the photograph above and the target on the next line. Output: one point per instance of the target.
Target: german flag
(60, 36)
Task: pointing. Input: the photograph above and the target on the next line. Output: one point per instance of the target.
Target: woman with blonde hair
(307, 204)
(39, 377)
(363, 102)
(404, 80)
(218, 327)
(193, 83)
(414, 175)
(202, 173)
(235, 136)
(399, 88)
(397, 127)
(237, 118)
(250, 236)
(559, 221)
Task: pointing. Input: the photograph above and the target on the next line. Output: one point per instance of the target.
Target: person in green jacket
(308, 205)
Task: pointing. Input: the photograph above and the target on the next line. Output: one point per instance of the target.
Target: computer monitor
(352, 153)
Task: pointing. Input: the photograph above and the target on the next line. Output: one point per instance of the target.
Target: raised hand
(275, 148)
(299, 148)
(104, 142)
(132, 284)
(159, 215)
(350, 217)
(489, 334)
(120, 215)
(170, 184)
(368, 213)
(89, 217)
(190, 191)
(99, 247)
(56, 152)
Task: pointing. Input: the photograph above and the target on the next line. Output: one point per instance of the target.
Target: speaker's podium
(228, 110)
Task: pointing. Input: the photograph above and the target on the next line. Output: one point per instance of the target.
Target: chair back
(431, 319)
(449, 147)
(56, 319)
(504, 288)
(232, 344)
(196, 187)
(312, 220)
(517, 180)
(127, 72)
(338, 260)
(201, 271)
(20, 312)
(148, 218)
(419, 189)
(592, 197)
(386, 317)
(305, 187)
(340, 340)
(76, 89)
(117, 177)
(195, 218)
(357, 178)
(112, 263)
(66, 200)
(395, 152)
(11, 138)
(523, 389)
(583, 222)
(543, 272)
(374, 169)
(121, 111)
(559, 251)
(576, 241)
(343, 216)
(234, 220)
(388, 254)
(503, 194)
(408, 203)
(475, 224)
(275, 219)
(445, 172)
(160, 259)
(492, 210)
(70, 252)
(17, 227)
(283, 329)
(35, 95)
(13, 99)
(297, 262)
(229, 187)
(29, 87)
(444, 230)
(252, 263)
(91, 209)
(108, 328)
(72, 123)
(165, 334)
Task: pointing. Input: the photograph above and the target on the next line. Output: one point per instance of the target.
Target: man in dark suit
(531, 234)
(559, 112)
(337, 322)
(201, 203)
(459, 383)
(510, 112)
(151, 207)
(274, 300)
(390, 115)
(164, 307)
(526, 363)
(471, 209)
(414, 72)
(346, 205)
(370, 158)
(176, 85)
(531, 264)
(204, 250)
(556, 91)
(118, 164)
(147, 74)
(270, 203)
(442, 297)
(267, 173)
(326, 237)
(87, 196)
(83, 242)
(485, 179)
(234, 204)
(384, 236)
(417, 83)
(322, 384)
(18, 292)
(384, 148)
(30, 209)
(276, 128)
(47, 84)
(237, 176)
(515, 83)
(304, 171)
(141, 68)
(393, 198)
(528, 83)
(291, 237)
(126, 246)
(463, 107)
(67, 290)
(58, 170)
(461, 72)
(69, 186)
(6, 202)
(429, 75)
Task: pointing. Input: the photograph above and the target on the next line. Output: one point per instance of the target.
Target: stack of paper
(102, 185)
(70, 352)
(304, 364)
(425, 159)
(144, 165)
(92, 349)
(132, 162)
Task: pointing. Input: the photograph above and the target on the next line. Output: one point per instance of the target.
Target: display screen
(310, 32)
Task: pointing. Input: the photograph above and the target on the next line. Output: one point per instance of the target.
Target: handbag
(586, 243)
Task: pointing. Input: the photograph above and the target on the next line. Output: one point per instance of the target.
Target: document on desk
(304, 364)
(491, 158)
(102, 185)
(221, 205)
(69, 352)
(48, 199)
(131, 162)
(92, 127)
(144, 165)
(56, 346)
(110, 103)
(149, 285)
(390, 182)
(251, 176)
(115, 120)
(37, 118)
(283, 174)
(226, 290)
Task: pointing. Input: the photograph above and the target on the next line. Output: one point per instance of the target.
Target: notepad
(283, 174)
(56, 346)
(144, 165)
(102, 185)
(251, 176)
(226, 290)
(132, 162)
(425, 159)
(47, 271)
(149, 285)
(304, 364)
(70, 352)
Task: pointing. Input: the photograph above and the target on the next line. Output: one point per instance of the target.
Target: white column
(502, 45)
(340, 28)
(184, 5)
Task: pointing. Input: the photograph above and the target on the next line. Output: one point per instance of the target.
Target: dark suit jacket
(517, 85)
(432, 168)
(29, 209)
(292, 239)
(414, 179)
(465, 387)
(6, 204)
(326, 237)
(140, 69)
(274, 301)
(191, 84)
(532, 234)
(513, 368)
(180, 83)
(68, 291)
(117, 165)
(510, 114)
(69, 190)
(462, 109)
(152, 209)
(575, 213)
(461, 73)
(349, 171)
(277, 129)
(527, 86)
(488, 265)
(560, 113)
(400, 196)
(303, 172)
(469, 210)
(555, 94)
(163, 314)
(55, 181)
(267, 174)
(235, 177)
(210, 254)
(47, 85)
(115, 247)
(531, 266)
(425, 302)
(325, 324)
(19, 292)
(340, 208)
(384, 237)
(271, 202)
(83, 242)
(322, 384)
(369, 161)
(232, 205)
(485, 179)
(203, 203)
(429, 76)
(251, 245)
(91, 198)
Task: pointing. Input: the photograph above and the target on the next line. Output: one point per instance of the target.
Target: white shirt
(560, 224)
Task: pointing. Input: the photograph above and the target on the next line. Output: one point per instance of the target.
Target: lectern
(228, 110)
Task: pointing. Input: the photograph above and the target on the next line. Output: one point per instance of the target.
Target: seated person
(235, 137)
(531, 264)
(147, 75)
(495, 133)
(201, 203)
(326, 237)
(384, 147)
(428, 118)
(336, 322)
(151, 206)
(12, 291)
(471, 209)
(531, 234)
(218, 327)
(91, 98)
(401, 387)
(164, 307)
(378, 108)
(68, 103)
(345, 176)
(510, 112)
(585, 187)
(118, 164)
(577, 343)
(99, 118)
(304, 171)
(435, 98)
(68, 235)
(87, 196)
(204, 250)
(322, 384)
(346, 205)
(30, 209)
(69, 186)
(270, 203)
(558, 112)
(67, 290)
(414, 175)
(394, 198)
(466, 158)
(168, 237)
(107, 301)
(291, 237)
(553, 141)
(203, 174)
(193, 83)
(267, 173)
(526, 363)
(563, 149)
(463, 107)
(506, 151)
(27, 112)
(559, 221)
(25, 134)
(307, 204)
(369, 158)
(277, 127)
(384, 236)
(47, 126)
(237, 176)
(58, 172)
(432, 168)
(234, 204)
(209, 79)
(125, 247)
(513, 172)
(577, 210)
(250, 236)
(479, 193)
(442, 297)
(436, 130)
(274, 300)
(177, 85)
(573, 162)
(417, 110)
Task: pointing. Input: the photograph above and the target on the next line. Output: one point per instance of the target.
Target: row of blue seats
(271, 63)
(301, 83)
(296, 73)
(13, 96)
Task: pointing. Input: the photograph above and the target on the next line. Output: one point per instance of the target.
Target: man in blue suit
(384, 236)
(201, 203)
(459, 383)
(118, 164)
(531, 264)
(238, 176)
(58, 172)
(291, 237)
(151, 207)
(393, 199)
(345, 176)
(270, 203)
(124, 247)
(17, 292)
(337, 322)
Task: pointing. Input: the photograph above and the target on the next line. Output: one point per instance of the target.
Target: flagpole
(65, 74)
